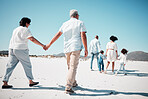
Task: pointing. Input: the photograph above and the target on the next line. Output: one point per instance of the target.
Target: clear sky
(126, 19)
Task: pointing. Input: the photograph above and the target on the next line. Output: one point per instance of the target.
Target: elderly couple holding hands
(74, 39)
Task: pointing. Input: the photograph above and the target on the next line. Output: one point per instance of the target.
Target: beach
(52, 73)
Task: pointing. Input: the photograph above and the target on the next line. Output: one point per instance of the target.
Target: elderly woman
(18, 52)
(111, 52)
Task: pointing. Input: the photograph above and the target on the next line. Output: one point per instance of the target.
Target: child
(122, 58)
(101, 57)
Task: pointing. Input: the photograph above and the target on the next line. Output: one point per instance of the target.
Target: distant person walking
(94, 49)
(18, 52)
(111, 52)
(122, 59)
(74, 38)
(101, 63)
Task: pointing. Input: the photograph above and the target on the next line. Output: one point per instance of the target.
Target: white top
(122, 58)
(111, 46)
(94, 46)
(19, 38)
(72, 37)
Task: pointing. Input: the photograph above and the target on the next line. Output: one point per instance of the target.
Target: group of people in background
(111, 55)
(75, 39)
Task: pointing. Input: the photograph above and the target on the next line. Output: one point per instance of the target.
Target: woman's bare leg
(107, 66)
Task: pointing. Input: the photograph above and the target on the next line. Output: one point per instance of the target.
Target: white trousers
(72, 62)
(16, 56)
(121, 66)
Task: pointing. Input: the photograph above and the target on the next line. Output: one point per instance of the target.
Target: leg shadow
(61, 88)
(94, 92)
(130, 73)
(138, 74)
(105, 92)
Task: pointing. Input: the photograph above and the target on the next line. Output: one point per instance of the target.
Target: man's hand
(86, 53)
(84, 41)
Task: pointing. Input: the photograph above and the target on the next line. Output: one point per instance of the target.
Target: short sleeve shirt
(72, 37)
(19, 38)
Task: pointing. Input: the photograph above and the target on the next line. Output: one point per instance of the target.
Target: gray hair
(73, 13)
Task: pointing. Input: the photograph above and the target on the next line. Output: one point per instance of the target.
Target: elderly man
(94, 50)
(74, 38)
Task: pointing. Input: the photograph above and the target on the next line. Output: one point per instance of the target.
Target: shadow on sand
(41, 88)
(135, 73)
(105, 92)
(94, 92)
(129, 73)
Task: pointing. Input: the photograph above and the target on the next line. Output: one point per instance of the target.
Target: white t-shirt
(72, 37)
(122, 58)
(19, 38)
(94, 46)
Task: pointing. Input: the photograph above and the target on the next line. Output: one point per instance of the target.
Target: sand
(51, 73)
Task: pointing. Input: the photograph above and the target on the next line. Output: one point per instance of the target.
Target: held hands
(45, 47)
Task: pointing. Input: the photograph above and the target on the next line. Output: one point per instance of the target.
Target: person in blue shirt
(101, 63)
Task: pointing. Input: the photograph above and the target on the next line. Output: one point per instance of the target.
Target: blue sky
(126, 19)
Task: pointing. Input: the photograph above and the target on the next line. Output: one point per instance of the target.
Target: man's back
(94, 46)
(72, 37)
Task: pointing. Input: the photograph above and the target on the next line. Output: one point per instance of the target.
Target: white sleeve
(61, 29)
(82, 27)
(98, 45)
(28, 33)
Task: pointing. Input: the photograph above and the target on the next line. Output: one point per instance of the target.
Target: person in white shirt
(74, 38)
(94, 49)
(18, 52)
(122, 59)
(111, 52)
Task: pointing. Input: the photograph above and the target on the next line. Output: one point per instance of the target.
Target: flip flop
(35, 83)
(6, 86)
